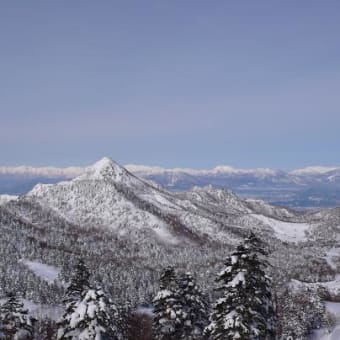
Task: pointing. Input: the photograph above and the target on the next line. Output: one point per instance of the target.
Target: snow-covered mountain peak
(105, 169)
(103, 163)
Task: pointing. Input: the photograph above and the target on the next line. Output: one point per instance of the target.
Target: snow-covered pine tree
(194, 307)
(245, 310)
(91, 318)
(263, 301)
(79, 282)
(15, 323)
(168, 309)
(89, 314)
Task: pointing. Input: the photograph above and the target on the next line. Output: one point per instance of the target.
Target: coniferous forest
(244, 307)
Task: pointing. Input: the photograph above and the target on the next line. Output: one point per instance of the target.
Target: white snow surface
(40, 311)
(105, 169)
(239, 278)
(312, 170)
(46, 272)
(84, 323)
(286, 231)
(7, 198)
(333, 334)
(43, 311)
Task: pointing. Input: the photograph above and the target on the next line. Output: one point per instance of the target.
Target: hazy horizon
(42, 165)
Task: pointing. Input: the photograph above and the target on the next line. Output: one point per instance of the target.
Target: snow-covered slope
(108, 195)
(7, 198)
(269, 210)
(217, 200)
(97, 199)
(46, 272)
(286, 231)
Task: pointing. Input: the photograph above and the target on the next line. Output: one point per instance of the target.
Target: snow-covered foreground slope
(109, 196)
(44, 271)
(286, 231)
(41, 311)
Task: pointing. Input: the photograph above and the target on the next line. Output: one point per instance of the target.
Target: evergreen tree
(121, 316)
(194, 307)
(299, 313)
(168, 309)
(45, 329)
(91, 319)
(15, 324)
(79, 282)
(89, 314)
(245, 310)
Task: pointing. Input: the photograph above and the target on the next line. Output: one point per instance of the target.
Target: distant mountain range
(307, 187)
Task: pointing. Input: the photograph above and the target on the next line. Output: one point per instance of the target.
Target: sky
(170, 82)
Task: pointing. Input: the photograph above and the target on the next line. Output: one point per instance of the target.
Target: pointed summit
(109, 171)
(105, 168)
(105, 162)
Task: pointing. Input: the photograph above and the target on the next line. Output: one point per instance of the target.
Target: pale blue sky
(171, 83)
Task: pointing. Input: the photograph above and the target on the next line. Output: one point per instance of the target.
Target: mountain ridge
(73, 171)
(110, 196)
